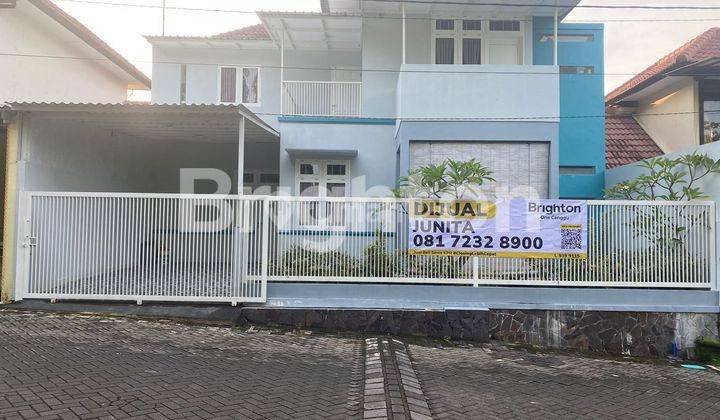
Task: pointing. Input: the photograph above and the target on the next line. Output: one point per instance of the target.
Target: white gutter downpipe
(404, 49)
(555, 38)
(282, 72)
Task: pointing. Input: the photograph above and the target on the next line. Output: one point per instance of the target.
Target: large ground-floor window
(322, 178)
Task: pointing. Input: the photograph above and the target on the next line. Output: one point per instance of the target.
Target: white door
(521, 169)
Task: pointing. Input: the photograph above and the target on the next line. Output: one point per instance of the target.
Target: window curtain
(228, 84)
(250, 86)
(444, 51)
(472, 51)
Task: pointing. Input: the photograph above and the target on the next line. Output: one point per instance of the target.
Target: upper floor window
(505, 25)
(474, 41)
(709, 111)
(241, 83)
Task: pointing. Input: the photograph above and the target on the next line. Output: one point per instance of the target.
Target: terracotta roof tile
(704, 46)
(627, 142)
(257, 32)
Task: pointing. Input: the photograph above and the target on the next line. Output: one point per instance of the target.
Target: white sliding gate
(145, 247)
(225, 248)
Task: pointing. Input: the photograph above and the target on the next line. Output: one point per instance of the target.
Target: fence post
(22, 274)
(713, 248)
(264, 263)
(476, 271)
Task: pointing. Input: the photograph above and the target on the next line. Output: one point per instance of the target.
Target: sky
(630, 45)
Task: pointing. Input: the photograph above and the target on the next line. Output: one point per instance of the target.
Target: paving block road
(72, 366)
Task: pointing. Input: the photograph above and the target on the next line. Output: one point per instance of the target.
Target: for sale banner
(506, 228)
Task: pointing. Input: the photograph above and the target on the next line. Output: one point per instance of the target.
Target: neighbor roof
(85, 34)
(703, 47)
(247, 33)
(626, 141)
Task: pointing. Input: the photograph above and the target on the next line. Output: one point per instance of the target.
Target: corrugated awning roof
(168, 121)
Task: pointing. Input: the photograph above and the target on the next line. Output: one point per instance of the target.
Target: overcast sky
(629, 46)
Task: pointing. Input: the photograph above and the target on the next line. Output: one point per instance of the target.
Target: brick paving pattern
(89, 367)
(70, 367)
(502, 383)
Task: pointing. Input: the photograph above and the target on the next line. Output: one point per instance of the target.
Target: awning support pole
(241, 156)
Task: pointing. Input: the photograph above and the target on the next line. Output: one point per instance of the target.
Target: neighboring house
(675, 101)
(361, 95)
(48, 56)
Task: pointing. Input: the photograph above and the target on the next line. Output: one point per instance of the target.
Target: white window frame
(486, 36)
(322, 179)
(239, 85)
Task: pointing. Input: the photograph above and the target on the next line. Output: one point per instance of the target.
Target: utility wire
(455, 3)
(373, 17)
(351, 69)
(561, 117)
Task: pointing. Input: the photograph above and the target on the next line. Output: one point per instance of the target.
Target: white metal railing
(631, 244)
(225, 248)
(320, 98)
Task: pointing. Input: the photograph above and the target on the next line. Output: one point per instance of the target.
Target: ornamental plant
(455, 179)
(671, 180)
(667, 179)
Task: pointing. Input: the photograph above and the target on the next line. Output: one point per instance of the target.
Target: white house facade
(381, 89)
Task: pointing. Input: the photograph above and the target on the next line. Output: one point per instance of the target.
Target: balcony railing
(322, 99)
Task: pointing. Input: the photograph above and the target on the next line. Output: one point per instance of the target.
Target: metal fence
(226, 248)
(144, 247)
(321, 98)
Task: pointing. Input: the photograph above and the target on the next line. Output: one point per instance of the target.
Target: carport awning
(184, 123)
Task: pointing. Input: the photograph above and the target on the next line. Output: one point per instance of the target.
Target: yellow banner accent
(453, 209)
(501, 254)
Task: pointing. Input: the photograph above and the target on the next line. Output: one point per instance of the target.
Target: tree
(450, 178)
(667, 179)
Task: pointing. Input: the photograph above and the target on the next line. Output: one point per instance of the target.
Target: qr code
(571, 239)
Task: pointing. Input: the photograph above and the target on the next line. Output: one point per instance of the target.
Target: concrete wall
(486, 91)
(373, 171)
(27, 31)
(673, 133)
(582, 105)
(64, 155)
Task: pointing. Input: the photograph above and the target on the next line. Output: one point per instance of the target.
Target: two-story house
(363, 92)
(672, 106)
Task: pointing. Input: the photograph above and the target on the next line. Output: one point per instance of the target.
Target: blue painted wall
(582, 104)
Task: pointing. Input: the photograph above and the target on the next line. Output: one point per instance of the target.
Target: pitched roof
(85, 34)
(247, 33)
(626, 141)
(702, 47)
